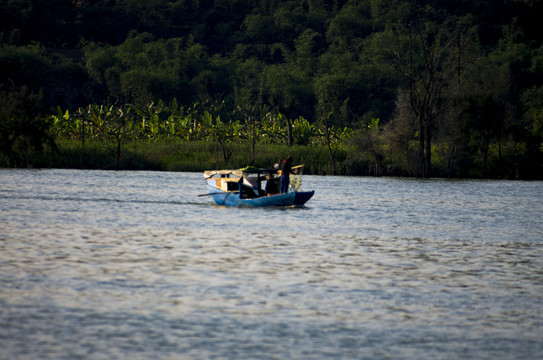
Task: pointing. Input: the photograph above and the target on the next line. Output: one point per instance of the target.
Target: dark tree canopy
(291, 55)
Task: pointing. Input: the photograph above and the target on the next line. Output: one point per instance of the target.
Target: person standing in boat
(286, 170)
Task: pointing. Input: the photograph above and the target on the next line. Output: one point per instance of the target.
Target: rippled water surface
(106, 265)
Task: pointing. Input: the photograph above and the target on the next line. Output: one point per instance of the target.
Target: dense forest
(367, 87)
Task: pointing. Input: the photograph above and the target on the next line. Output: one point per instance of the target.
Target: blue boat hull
(292, 198)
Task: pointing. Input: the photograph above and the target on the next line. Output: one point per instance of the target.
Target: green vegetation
(171, 137)
(369, 87)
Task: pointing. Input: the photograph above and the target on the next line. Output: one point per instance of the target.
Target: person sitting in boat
(272, 184)
(247, 191)
(286, 170)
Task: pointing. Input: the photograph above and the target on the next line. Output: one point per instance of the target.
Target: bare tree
(428, 57)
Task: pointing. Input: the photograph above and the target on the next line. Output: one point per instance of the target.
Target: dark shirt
(286, 167)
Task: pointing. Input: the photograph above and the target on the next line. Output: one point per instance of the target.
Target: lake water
(134, 265)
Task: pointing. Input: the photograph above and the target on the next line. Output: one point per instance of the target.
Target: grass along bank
(192, 156)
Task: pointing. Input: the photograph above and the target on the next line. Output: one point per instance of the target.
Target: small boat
(255, 187)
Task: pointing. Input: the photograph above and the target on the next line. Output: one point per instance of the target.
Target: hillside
(426, 85)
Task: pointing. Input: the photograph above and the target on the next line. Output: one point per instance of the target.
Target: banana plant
(303, 132)
(272, 128)
(64, 124)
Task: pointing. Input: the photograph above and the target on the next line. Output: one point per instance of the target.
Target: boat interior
(255, 182)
